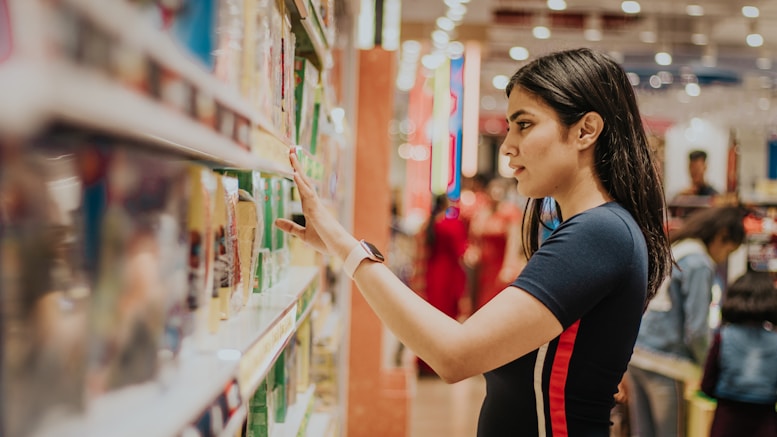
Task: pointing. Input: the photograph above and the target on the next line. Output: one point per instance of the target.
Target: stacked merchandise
(95, 279)
(119, 263)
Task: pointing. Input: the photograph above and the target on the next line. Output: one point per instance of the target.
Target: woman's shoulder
(610, 220)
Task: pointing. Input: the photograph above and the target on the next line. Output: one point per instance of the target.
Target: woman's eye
(523, 124)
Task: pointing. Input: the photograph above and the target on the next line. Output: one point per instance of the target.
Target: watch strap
(354, 258)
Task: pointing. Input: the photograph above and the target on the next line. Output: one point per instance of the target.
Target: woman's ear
(589, 127)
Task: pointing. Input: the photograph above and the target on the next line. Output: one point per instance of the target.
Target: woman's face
(720, 249)
(542, 158)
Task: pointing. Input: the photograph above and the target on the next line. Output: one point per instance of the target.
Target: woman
(553, 344)
(443, 246)
(674, 336)
(489, 232)
(445, 239)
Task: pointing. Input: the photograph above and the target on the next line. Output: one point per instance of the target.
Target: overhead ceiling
(502, 24)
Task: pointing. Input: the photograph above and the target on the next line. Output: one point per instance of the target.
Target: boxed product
(229, 31)
(306, 81)
(287, 79)
(44, 303)
(136, 246)
(221, 264)
(251, 182)
(230, 300)
(263, 44)
(247, 223)
(202, 186)
(258, 420)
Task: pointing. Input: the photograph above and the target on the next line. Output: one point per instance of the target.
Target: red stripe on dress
(558, 380)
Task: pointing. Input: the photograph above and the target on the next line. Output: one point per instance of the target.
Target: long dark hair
(440, 205)
(705, 224)
(574, 83)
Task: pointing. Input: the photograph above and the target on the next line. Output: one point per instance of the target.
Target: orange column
(377, 397)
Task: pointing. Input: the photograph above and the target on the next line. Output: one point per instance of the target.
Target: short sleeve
(588, 257)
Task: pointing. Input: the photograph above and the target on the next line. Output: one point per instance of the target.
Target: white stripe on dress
(539, 399)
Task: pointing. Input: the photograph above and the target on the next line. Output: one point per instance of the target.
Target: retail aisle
(450, 410)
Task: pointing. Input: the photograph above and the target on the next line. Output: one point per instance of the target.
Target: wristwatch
(358, 254)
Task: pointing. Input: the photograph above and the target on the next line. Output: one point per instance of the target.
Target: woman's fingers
(289, 226)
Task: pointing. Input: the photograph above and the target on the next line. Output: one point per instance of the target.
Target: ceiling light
(655, 81)
(445, 24)
(519, 53)
(633, 78)
(666, 77)
(500, 81)
(755, 40)
(694, 10)
(663, 58)
(750, 11)
(557, 5)
(432, 61)
(541, 32)
(692, 89)
(459, 9)
(411, 47)
(455, 50)
(455, 16)
(440, 37)
(631, 7)
(452, 3)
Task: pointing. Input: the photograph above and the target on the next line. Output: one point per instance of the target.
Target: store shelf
(245, 347)
(235, 424)
(309, 22)
(92, 100)
(166, 406)
(759, 199)
(274, 323)
(320, 425)
(298, 415)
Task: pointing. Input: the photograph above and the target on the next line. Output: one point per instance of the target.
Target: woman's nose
(507, 149)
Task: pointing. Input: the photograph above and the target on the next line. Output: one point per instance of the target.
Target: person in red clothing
(445, 238)
(442, 243)
(489, 231)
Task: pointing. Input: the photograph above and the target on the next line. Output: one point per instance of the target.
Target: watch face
(373, 251)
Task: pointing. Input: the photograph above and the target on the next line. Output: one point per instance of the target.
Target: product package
(306, 81)
(136, 247)
(45, 299)
(258, 420)
(229, 285)
(221, 264)
(247, 223)
(202, 186)
(228, 53)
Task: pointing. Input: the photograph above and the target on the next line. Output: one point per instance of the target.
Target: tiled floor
(446, 410)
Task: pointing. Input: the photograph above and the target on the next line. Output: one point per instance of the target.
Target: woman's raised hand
(321, 231)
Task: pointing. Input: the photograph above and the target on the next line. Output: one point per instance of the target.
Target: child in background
(741, 368)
